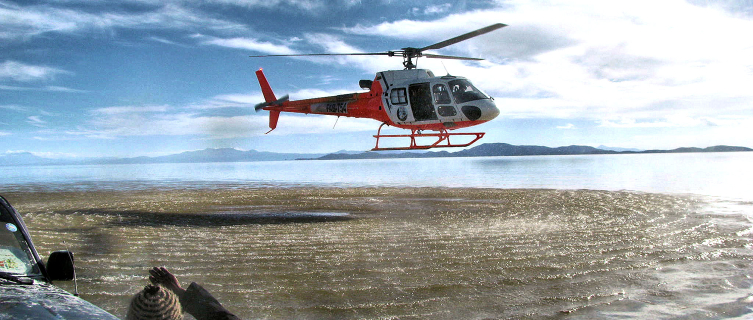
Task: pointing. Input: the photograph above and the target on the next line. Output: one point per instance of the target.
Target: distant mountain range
(235, 155)
(504, 149)
(216, 155)
(206, 155)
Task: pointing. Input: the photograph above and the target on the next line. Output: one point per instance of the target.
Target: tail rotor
(260, 106)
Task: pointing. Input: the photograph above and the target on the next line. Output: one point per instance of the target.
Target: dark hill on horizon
(218, 155)
(206, 155)
(505, 149)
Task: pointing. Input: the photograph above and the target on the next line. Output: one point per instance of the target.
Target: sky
(96, 78)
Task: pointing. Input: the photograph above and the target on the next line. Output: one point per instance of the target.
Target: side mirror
(60, 266)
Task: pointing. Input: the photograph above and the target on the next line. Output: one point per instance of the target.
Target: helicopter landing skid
(443, 139)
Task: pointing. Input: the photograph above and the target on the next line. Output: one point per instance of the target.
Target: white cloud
(43, 88)
(236, 99)
(18, 71)
(36, 121)
(432, 9)
(114, 125)
(301, 4)
(62, 89)
(130, 109)
(424, 33)
(15, 108)
(334, 44)
(327, 43)
(249, 44)
(19, 22)
(166, 41)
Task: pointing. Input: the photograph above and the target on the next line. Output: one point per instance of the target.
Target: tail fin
(269, 96)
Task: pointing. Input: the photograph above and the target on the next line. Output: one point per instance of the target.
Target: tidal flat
(407, 253)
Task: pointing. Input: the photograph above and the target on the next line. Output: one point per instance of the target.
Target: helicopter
(413, 99)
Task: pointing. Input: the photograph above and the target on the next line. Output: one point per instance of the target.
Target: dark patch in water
(148, 218)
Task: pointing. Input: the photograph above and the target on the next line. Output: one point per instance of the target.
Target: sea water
(617, 236)
(717, 174)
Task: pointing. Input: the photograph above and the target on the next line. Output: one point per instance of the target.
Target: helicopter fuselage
(409, 99)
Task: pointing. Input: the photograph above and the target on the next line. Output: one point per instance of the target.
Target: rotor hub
(408, 55)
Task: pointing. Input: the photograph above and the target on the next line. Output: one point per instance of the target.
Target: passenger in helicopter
(463, 91)
(441, 96)
(421, 102)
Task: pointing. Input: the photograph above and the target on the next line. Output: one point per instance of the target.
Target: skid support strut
(443, 139)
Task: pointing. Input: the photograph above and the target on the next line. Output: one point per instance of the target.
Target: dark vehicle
(26, 290)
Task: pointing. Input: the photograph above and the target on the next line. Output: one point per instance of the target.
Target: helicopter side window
(447, 111)
(463, 91)
(441, 96)
(397, 96)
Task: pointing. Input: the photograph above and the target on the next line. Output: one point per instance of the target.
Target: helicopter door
(443, 101)
(420, 102)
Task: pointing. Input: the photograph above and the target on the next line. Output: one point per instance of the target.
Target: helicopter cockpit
(463, 91)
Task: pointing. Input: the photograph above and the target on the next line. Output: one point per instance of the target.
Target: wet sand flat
(447, 253)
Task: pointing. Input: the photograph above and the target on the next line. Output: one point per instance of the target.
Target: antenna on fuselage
(338, 118)
(445, 68)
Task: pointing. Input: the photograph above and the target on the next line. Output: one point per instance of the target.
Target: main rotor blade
(439, 56)
(326, 54)
(466, 36)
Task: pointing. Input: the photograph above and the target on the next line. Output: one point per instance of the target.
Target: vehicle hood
(44, 301)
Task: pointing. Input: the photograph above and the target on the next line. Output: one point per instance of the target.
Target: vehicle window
(398, 96)
(15, 254)
(463, 91)
(441, 96)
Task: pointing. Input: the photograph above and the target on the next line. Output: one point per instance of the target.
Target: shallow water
(725, 175)
(439, 253)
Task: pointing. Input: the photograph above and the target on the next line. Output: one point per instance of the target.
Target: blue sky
(153, 77)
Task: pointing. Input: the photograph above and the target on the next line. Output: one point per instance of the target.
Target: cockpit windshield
(463, 91)
(15, 254)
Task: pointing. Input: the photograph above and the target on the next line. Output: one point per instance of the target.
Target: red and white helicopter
(412, 99)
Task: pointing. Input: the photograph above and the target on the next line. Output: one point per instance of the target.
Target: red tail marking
(269, 96)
